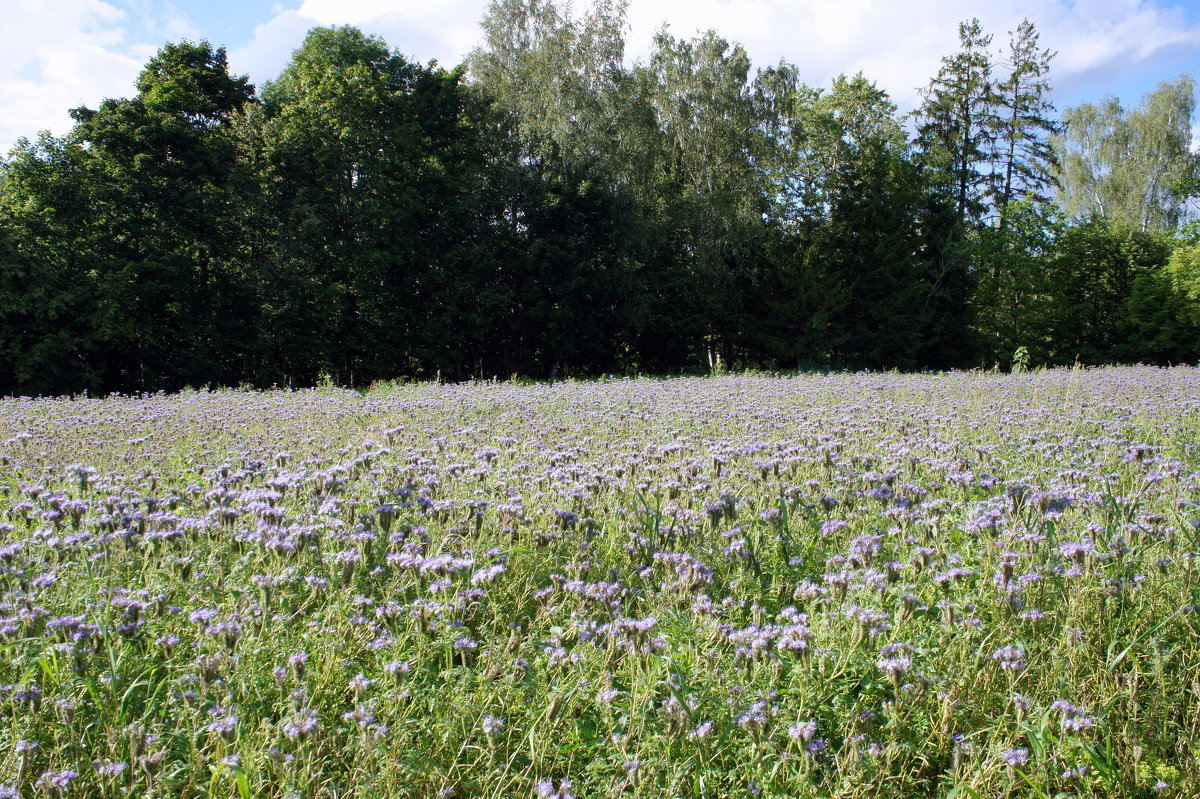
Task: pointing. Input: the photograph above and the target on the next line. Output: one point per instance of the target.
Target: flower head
(1010, 658)
(1016, 757)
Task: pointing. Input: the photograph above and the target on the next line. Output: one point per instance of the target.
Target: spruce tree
(956, 123)
(1025, 160)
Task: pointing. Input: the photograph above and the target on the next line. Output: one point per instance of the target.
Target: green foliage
(1014, 295)
(127, 219)
(370, 189)
(1163, 311)
(1020, 360)
(47, 293)
(1110, 278)
(874, 285)
(559, 80)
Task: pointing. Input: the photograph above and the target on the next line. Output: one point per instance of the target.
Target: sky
(59, 54)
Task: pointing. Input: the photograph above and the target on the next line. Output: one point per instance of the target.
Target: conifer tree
(1025, 160)
(956, 123)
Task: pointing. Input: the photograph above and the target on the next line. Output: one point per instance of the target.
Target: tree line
(546, 210)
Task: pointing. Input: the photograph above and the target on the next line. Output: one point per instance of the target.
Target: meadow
(957, 585)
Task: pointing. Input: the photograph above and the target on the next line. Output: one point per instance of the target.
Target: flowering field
(960, 585)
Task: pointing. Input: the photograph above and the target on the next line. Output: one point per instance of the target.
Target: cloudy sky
(57, 54)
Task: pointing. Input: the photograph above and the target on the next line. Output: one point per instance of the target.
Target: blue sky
(56, 54)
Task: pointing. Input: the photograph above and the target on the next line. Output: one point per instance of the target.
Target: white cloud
(422, 31)
(174, 25)
(271, 48)
(76, 54)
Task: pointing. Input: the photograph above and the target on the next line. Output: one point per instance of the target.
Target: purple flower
(1076, 773)
(545, 789)
(203, 616)
(832, 526)
(757, 714)
(224, 721)
(109, 768)
(895, 667)
(1010, 658)
(300, 725)
(361, 715)
(56, 780)
(1073, 718)
(396, 668)
(1016, 757)
(487, 574)
(804, 731)
(297, 662)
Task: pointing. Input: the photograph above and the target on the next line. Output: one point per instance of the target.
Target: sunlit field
(877, 585)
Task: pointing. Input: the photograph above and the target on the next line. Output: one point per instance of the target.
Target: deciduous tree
(1133, 168)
